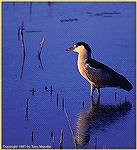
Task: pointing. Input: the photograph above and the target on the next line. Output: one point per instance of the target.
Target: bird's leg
(98, 98)
(92, 88)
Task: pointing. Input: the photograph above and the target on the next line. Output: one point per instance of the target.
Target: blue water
(110, 29)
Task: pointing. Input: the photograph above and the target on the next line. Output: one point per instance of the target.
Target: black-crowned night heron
(96, 73)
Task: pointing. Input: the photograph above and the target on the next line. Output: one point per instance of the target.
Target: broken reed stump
(42, 44)
(33, 91)
(27, 109)
(39, 52)
(52, 135)
(21, 36)
(32, 136)
(53, 140)
(61, 139)
(46, 88)
(51, 90)
(83, 104)
(21, 39)
(57, 99)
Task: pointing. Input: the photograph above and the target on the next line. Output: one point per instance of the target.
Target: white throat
(83, 56)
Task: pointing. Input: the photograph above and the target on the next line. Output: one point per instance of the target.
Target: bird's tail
(126, 85)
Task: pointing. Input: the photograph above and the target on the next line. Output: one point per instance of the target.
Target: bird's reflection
(98, 117)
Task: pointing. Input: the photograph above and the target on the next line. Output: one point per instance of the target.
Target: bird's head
(79, 47)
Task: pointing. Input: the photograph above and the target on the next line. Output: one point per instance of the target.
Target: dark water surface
(45, 99)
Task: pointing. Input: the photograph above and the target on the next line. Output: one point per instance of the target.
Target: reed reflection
(98, 117)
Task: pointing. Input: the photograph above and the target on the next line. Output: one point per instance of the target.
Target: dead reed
(39, 52)
(51, 90)
(83, 104)
(33, 91)
(21, 39)
(27, 109)
(32, 136)
(57, 99)
(61, 139)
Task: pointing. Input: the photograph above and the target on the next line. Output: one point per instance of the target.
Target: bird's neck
(83, 57)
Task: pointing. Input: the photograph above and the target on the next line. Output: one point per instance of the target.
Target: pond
(45, 101)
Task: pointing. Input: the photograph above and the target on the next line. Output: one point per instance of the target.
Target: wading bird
(97, 74)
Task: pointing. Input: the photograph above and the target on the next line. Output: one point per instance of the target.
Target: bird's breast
(82, 71)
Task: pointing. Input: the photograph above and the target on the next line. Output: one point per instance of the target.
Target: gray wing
(101, 77)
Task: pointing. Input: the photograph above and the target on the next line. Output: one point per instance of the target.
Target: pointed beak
(70, 48)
